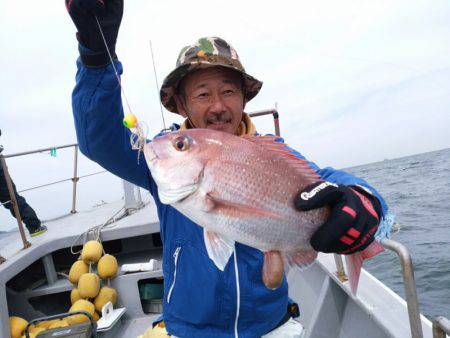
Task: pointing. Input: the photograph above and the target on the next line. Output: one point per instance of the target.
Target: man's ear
(181, 104)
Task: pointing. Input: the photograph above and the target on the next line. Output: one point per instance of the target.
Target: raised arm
(96, 99)
(98, 114)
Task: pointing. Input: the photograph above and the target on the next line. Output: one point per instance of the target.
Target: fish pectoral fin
(219, 248)
(300, 259)
(236, 209)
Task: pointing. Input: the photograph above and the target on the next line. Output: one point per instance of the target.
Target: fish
(242, 189)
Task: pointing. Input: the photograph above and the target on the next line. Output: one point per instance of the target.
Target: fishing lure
(138, 134)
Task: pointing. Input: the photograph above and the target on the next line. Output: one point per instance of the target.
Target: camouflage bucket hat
(206, 52)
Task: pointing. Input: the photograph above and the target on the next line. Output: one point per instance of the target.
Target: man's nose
(217, 104)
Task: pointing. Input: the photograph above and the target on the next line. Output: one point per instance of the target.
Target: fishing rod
(157, 88)
(157, 85)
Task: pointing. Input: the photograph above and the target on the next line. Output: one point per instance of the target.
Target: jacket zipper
(175, 259)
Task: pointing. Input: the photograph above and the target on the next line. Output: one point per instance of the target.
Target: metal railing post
(274, 112)
(276, 122)
(441, 327)
(74, 179)
(410, 285)
(12, 195)
(340, 272)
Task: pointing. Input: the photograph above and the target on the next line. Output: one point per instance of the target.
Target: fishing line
(112, 63)
(138, 129)
(157, 85)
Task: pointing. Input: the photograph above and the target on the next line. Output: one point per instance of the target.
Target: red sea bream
(239, 189)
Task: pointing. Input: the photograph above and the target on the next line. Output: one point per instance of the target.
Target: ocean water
(417, 190)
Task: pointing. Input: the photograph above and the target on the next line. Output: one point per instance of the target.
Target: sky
(354, 82)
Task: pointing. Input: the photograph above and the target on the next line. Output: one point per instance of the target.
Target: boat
(34, 277)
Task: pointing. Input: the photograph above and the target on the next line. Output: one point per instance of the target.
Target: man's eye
(202, 95)
(230, 92)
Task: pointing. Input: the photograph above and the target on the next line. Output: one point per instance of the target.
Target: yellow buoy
(106, 294)
(107, 267)
(92, 251)
(46, 324)
(59, 323)
(37, 330)
(96, 316)
(88, 285)
(78, 268)
(30, 334)
(16, 326)
(74, 296)
(80, 305)
(130, 121)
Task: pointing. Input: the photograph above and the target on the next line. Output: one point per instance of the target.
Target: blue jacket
(199, 299)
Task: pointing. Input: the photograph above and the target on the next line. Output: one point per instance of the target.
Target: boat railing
(408, 281)
(75, 178)
(441, 327)
(274, 113)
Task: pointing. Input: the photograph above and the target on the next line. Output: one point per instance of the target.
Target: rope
(60, 181)
(95, 231)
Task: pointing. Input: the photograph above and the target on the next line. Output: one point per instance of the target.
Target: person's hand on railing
(84, 13)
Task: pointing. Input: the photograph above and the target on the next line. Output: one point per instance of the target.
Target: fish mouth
(150, 153)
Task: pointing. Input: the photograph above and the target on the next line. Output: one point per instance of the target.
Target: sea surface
(417, 190)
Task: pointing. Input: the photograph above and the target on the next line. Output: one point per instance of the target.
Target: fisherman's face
(212, 98)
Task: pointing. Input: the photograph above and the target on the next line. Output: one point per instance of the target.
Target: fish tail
(354, 263)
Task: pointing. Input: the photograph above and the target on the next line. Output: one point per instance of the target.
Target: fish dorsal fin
(280, 150)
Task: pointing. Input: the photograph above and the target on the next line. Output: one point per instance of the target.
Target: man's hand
(354, 219)
(109, 14)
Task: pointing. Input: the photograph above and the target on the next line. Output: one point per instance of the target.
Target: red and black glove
(354, 219)
(109, 14)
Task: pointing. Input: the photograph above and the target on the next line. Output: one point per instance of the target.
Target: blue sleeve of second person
(98, 114)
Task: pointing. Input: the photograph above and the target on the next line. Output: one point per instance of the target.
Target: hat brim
(169, 88)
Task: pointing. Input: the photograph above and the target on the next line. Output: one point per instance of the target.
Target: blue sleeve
(98, 114)
(341, 177)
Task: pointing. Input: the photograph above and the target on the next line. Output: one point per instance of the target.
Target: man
(209, 87)
(27, 213)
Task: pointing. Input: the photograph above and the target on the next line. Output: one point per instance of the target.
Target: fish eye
(181, 143)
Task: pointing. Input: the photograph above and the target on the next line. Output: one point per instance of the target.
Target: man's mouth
(217, 124)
